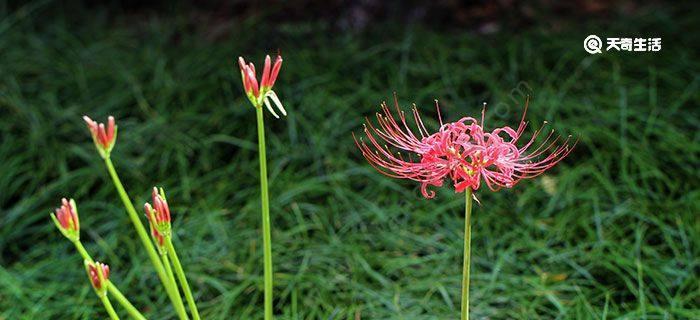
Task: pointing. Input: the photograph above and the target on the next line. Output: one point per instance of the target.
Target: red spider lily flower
(262, 93)
(66, 219)
(98, 273)
(158, 216)
(502, 164)
(104, 137)
(460, 151)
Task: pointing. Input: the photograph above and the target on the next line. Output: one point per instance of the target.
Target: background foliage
(613, 232)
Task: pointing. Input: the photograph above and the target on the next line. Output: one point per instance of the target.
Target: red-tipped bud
(104, 137)
(153, 226)
(66, 219)
(260, 94)
(161, 207)
(67, 215)
(157, 236)
(98, 273)
(253, 80)
(158, 215)
(275, 71)
(266, 73)
(250, 83)
(244, 77)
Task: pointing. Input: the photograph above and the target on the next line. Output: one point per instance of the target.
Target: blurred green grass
(612, 232)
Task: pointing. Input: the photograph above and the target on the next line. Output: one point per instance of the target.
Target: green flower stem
(133, 312)
(183, 280)
(267, 238)
(82, 251)
(467, 253)
(179, 306)
(112, 288)
(143, 235)
(108, 305)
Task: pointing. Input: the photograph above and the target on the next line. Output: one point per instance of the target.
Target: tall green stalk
(180, 272)
(467, 253)
(82, 251)
(179, 306)
(110, 309)
(145, 240)
(133, 312)
(267, 238)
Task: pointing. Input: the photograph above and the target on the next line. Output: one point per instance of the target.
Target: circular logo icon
(592, 44)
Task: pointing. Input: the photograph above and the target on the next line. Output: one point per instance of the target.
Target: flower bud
(98, 273)
(158, 216)
(161, 206)
(104, 137)
(262, 93)
(66, 219)
(155, 234)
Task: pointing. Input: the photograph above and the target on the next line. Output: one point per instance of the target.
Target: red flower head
(460, 151)
(104, 137)
(66, 219)
(158, 216)
(502, 164)
(98, 273)
(262, 94)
